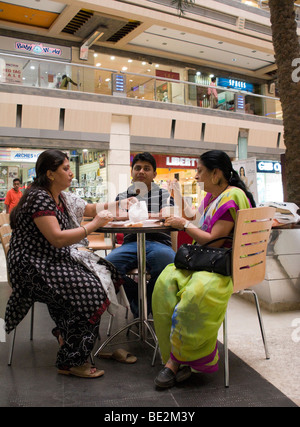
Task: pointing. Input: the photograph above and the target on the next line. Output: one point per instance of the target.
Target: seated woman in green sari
(189, 307)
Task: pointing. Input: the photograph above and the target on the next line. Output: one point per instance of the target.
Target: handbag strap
(215, 240)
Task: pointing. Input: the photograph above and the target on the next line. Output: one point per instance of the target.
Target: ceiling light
(112, 58)
(156, 65)
(107, 80)
(98, 64)
(234, 59)
(144, 63)
(129, 60)
(124, 68)
(95, 55)
(211, 76)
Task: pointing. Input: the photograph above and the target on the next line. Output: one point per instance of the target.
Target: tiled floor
(254, 381)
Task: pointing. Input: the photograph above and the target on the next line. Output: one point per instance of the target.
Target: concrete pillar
(119, 156)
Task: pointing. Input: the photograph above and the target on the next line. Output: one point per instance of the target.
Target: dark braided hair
(217, 159)
(47, 160)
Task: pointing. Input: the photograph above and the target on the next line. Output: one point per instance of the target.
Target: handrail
(152, 90)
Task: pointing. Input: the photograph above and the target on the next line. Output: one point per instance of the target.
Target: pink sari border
(200, 364)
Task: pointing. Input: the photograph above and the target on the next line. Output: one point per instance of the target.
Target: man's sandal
(83, 371)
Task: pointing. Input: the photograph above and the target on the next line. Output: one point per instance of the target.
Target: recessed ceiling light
(234, 59)
(112, 58)
(201, 51)
(124, 68)
(164, 44)
(220, 42)
(156, 65)
(98, 64)
(144, 63)
(95, 55)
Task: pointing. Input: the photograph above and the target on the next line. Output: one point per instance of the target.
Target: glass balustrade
(57, 75)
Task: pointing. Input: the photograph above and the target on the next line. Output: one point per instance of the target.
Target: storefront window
(90, 174)
(88, 166)
(182, 168)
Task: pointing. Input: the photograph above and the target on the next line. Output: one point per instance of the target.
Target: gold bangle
(86, 232)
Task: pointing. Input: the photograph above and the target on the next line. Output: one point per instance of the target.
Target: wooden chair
(4, 218)
(249, 251)
(97, 241)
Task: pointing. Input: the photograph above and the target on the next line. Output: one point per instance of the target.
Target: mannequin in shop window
(65, 82)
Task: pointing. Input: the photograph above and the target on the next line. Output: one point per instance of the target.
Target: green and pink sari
(189, 307)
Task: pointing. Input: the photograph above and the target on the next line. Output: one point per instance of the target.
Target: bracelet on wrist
(85, 229)
(187, 223)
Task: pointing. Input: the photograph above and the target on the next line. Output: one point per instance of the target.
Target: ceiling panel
(155, 40)
(174, 41)
(25, 15)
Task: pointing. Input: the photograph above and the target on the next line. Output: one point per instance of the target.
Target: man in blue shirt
(159, 252)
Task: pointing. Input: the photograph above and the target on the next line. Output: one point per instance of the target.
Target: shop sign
(12, 73)
(176, 162)
(24, 156)
(38, 49)
(268, 166)
(184, 162)
(167, 74)
(235, 84)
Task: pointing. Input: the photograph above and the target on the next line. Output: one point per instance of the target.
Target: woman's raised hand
(102, 218)
(174, 188)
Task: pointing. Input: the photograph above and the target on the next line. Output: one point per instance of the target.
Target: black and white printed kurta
(71, 278)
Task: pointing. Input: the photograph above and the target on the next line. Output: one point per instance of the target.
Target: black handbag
(196, 257)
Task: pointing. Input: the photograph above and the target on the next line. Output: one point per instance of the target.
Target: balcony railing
(42, 73)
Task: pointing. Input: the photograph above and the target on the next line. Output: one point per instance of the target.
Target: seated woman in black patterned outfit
(45, 265)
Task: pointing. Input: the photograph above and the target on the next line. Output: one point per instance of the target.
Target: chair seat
(97, 242)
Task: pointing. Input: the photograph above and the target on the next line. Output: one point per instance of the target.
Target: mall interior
(104, 81)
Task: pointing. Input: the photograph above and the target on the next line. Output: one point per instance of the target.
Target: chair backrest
(4, 218)
(5, 235)
(250, 241)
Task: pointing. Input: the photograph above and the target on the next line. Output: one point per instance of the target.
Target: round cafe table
(149, 226)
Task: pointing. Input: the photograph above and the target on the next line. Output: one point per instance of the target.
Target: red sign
(167, 74)
(173, 161)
